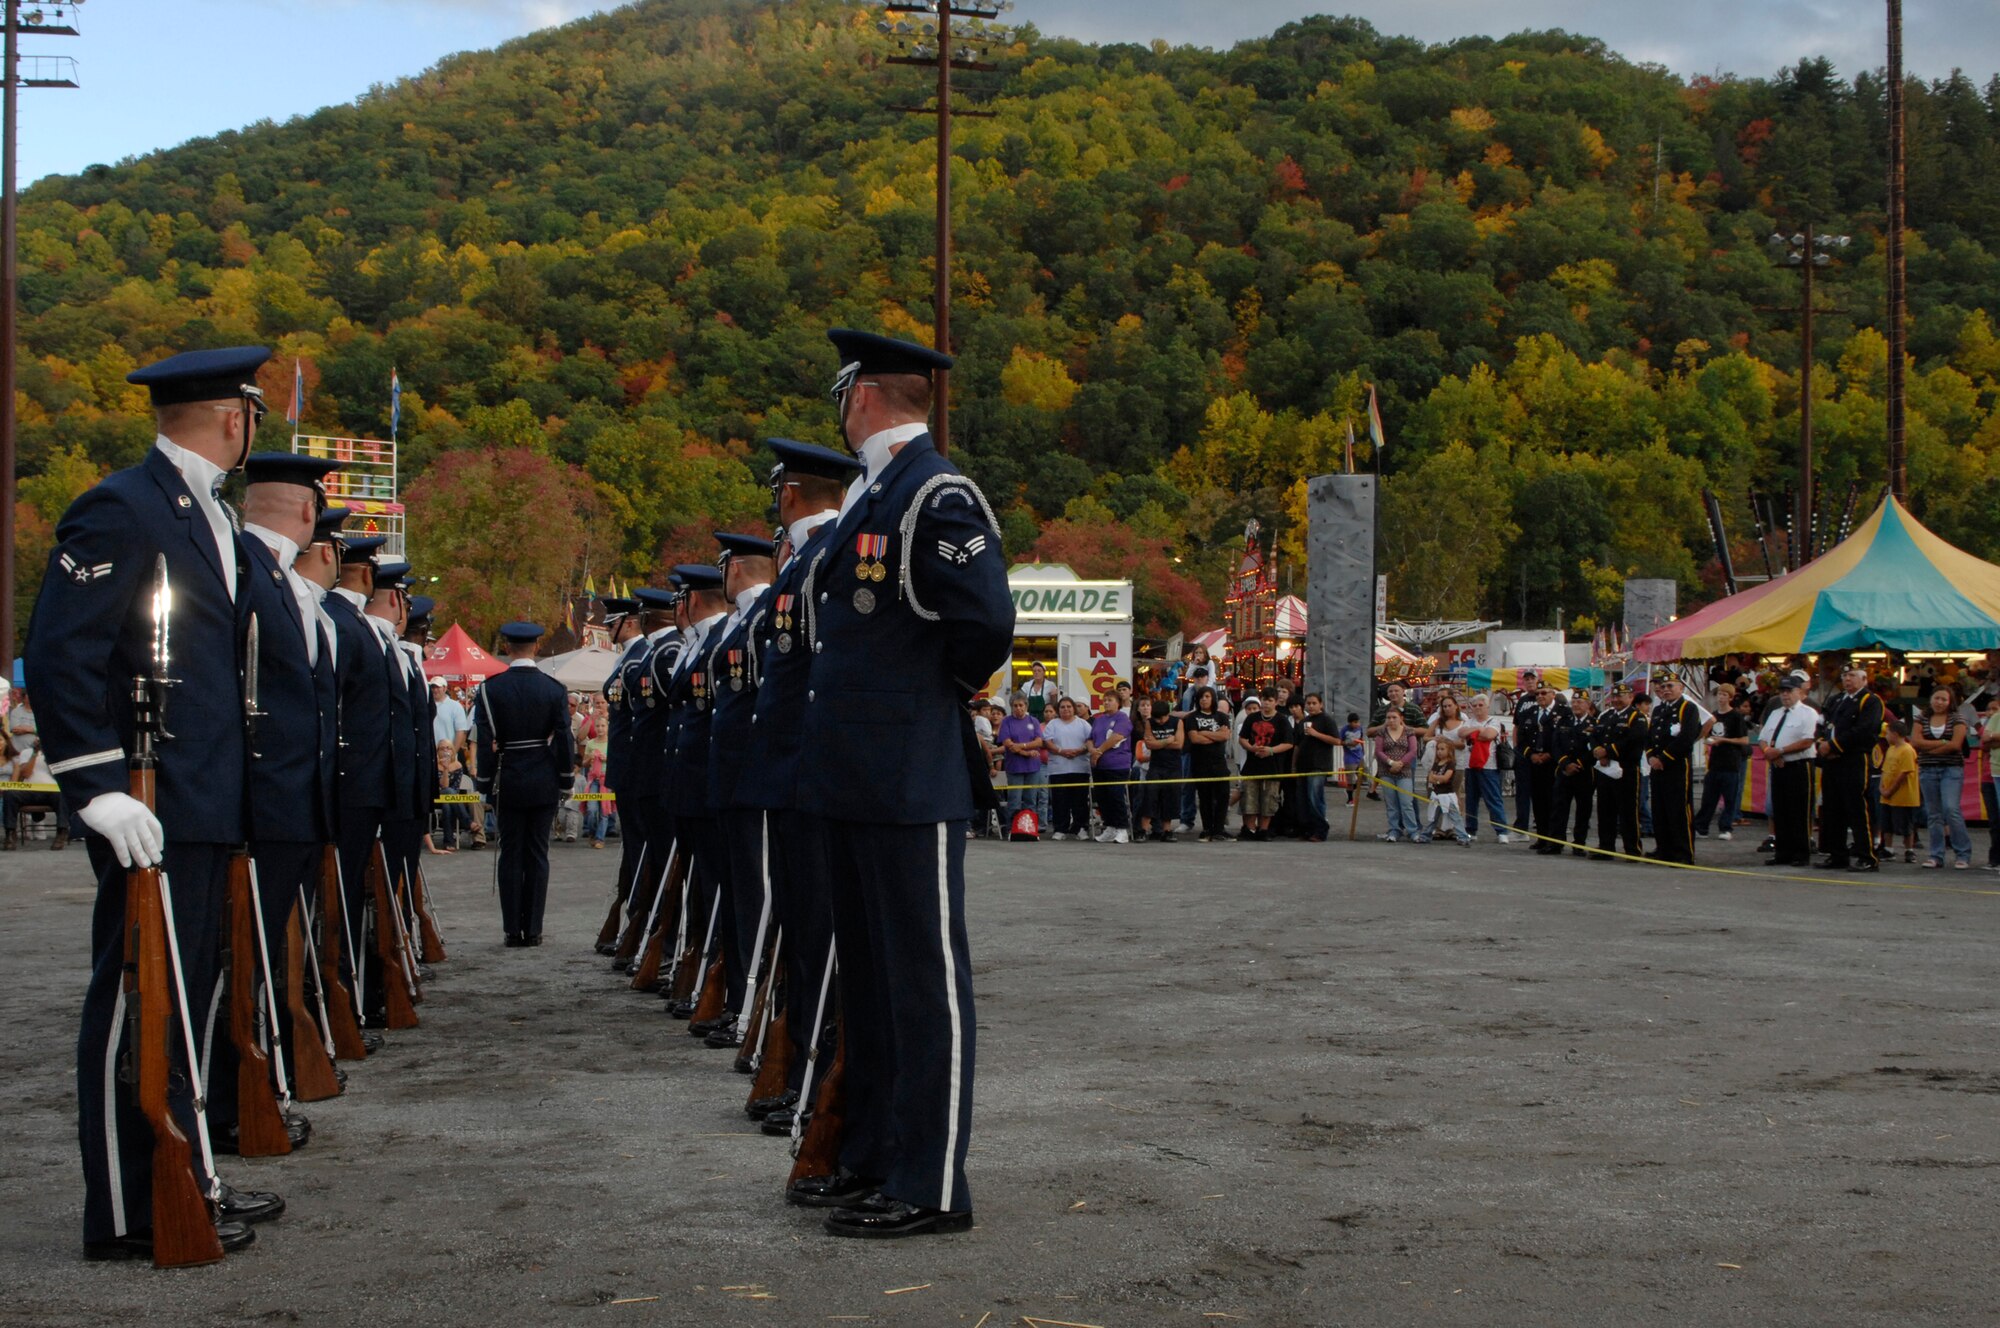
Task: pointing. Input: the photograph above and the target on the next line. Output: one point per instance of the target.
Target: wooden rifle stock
(608, 933)
(347, 1044)
(635, 928)
(714, 994)
(402, 1011)
(183, 1229)
(688, 968)
(819, 1146)
(433, 943)
(260, 1125)
(646, 974)
(403, 892)
(313, 1077)
(764, 1000)
(774, 1068)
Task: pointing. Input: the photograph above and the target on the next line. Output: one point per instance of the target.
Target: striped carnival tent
(1508, 680)
(1891, 585)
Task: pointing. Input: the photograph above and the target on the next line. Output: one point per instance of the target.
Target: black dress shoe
(1580, 853)
(892, 1218)
(725, 1036)
(778, 1124)
(248, 1205)
(679, 1009)
(701, 1028)
(607, 948)
(744, 1062)
(536, 939)
(842, 1189)
(620, 965)
(1870, 865)
(764, 1106)
(1833, 864)
(370, 1041)
(139, 1244)
(515, 940)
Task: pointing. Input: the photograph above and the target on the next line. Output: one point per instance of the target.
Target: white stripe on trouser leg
(112, 1169)
(951, 1007)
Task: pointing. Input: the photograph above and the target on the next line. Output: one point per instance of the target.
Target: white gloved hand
(134, 832)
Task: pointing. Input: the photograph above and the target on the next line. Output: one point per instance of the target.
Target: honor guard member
(1575, 787)
(691, 695)
(642, 809)
(91, 634)
(912, 617)
(291, 740)
(1541, 730)
(423, 700)
(628, 638)
(1787, 741)
(1618, 745)
(385, 614)
(1851, 727)
(747, 567)
(1676, 727)
(807, 484)
(364, 785)
(526, 763)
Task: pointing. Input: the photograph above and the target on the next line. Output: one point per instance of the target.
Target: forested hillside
(602, 260)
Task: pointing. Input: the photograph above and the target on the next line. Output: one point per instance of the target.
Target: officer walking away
(526, 761)
(91, 634)
(912, 616)
(1851, 728)
(1787, 741)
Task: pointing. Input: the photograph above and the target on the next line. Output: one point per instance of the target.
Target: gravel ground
(1275, 1084)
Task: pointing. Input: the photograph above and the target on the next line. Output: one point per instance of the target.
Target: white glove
(134, 832)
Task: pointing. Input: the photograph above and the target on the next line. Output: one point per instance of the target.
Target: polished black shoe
(515, 940)
(371, 1041)
(535, 939)
(609, 948)
(680, 1009)
(139, 1244)
(701, 1028)
(248, 1205)
(843, 1189)
(620, 965)
(745, 1062)
(1833, 864)
(764, 1106)
(892, 1218)
(1870, 865)
(1578, 853)
(725, 1036)
(228, 1139)
(779, 1123)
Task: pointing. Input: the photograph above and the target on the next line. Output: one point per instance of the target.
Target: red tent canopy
(453, 655)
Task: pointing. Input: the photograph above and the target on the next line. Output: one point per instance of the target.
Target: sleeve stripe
(79, 762)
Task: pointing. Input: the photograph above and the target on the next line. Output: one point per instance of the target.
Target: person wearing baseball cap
(1786, 740)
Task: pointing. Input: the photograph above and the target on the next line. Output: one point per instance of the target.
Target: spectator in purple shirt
(1111, 769)
(1027, 780)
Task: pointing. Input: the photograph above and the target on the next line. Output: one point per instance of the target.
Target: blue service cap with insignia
(796, 458)
(617, 606)
(521, 631)
(698, 576)
(360, 548)
(201, 375)
(289, 468)
(872, 353)
(422, 606)
(389, 575)
(328, 525)
(653, 600)
(743, 546)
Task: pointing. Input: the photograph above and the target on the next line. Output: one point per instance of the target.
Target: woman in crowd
(1940, 742)
(1397, 748)
(1160, 792)
(1021, 748)
(1207, 733)
(596, 732)
(452, 778)
(1111, 736)
(1068, 741)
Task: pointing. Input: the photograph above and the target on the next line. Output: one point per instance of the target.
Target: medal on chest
(781, 612)
(870, 548)
(698, 683)
(864, 600)
(646, 689)
(735, 670)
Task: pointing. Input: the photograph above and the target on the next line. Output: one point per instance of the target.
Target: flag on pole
(1375, 421)
(1350, 444)
(569, 615)
(590, 586)
(298, 410)
(395, 403)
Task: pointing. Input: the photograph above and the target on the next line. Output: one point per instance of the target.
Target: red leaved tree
(1166, 600)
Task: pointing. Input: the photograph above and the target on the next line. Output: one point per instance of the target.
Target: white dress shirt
(303, 591)
(203, 478)
(1785, 726)
(802, 529)
(876, 452)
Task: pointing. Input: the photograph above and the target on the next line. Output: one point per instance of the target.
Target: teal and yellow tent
(1892, 585)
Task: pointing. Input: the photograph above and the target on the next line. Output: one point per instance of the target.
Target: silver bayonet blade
(250, 670)
(163, 612)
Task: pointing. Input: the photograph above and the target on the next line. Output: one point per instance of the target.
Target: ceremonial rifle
(646, 973)
(810, 1079)
(818, 1152)
(344, 1023)
(634, 933)
(312, 1045)
(757, 943)
(397, 995)
(693, 962)
(183, 1225)
(427, 924)
(769, 1058)
(260, 1121)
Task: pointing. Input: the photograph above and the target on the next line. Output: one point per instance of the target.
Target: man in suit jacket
(91, 634)
(912, 617)
(526, 763)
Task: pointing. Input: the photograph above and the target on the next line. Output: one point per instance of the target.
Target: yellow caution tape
(20, 786)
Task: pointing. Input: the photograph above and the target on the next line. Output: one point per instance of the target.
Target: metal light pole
(925, 51)
(1807, 252)
(1898, 298)
(50, 72)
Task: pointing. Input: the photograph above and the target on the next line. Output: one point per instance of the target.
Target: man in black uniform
(1676, 727)
(91, 634)
(642, 809)
(808, 483)
(1852, 725)
(1542, 730)
(1575, 787)
(526, 763)
(1618, 744)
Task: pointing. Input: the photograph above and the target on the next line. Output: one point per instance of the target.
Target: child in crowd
(1443, 781)
(1352, 736)
(1900, 794)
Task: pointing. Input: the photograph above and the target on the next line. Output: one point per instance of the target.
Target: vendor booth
(1079, 631)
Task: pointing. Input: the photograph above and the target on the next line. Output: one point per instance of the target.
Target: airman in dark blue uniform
(526, 762)
(808, 483)
(628, 638)
(91, 634)
(642, 809)
(691, 698)
(912, 617)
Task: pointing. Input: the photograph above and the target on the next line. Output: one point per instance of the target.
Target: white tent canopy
(581, 670)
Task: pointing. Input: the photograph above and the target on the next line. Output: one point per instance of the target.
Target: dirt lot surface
(1273, 1084)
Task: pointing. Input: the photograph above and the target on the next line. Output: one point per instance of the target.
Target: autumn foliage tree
(1102, 548)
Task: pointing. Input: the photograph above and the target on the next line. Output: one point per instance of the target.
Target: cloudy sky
(158, 72)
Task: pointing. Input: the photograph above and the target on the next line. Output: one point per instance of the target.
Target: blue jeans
(1029, 790)
(595, 821)
(1187, 790)
(1401, 806)
(1484, 786)
(1942, 786)
(1721, 791)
